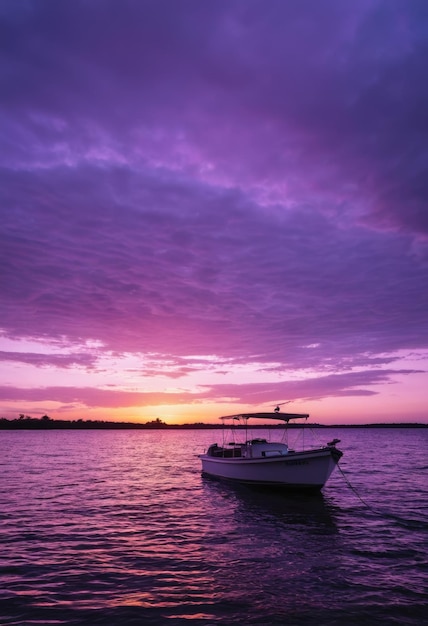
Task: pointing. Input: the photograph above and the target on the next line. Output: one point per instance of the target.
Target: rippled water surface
(119, 527)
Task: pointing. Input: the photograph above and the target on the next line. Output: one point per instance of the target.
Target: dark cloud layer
(201, 264)
(245, 179)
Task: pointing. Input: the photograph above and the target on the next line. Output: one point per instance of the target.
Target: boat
(267, 463)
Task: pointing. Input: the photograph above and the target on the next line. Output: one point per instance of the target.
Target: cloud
(46, 360)
(227, 91)
(88, 397)
(338, 385)
(180, 268)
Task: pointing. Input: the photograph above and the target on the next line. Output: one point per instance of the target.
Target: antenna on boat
(277, 409)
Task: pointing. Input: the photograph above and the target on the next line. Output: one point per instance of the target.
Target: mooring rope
(352, 488)
(404, 522)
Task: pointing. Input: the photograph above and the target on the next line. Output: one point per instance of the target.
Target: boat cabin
(252, 449)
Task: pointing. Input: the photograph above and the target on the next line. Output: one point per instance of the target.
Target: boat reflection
(285, 507)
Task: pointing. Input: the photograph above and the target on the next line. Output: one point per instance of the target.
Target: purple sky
(213, 205)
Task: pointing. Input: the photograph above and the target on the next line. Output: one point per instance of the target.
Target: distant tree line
(26, 422)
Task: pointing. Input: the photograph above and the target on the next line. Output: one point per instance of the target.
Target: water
(119, 527)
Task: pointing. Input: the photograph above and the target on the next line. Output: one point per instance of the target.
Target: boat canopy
(285, 417)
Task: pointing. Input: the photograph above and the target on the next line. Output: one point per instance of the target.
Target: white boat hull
(299, 470)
